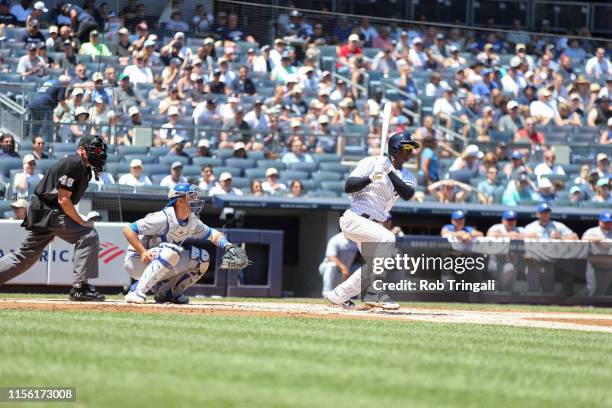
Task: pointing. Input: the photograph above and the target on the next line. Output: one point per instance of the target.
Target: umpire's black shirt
(68, 173)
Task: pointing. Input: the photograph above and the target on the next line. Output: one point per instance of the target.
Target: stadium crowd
(238, 117)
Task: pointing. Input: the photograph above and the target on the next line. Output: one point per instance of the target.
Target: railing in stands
(12, 116)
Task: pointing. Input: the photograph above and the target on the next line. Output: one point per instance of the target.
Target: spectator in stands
(201, 21)
(436, 87)
(488, 56)
(606, 134)
(122, 47)
(158, 93)
(203, 149)
(242, 84)
(172, 100)
(20, 209)
(549, 166)
(429, 162)
(599, 115)
(64, 111)
(206, 112)
(511, 121)
(296, 101)
(546, 190)
(256, 189)
(469, 161)
(7, 19)
(29, 178)
(566, 69)
(94, 47)
(487, 189)
(296, 154)
(175, 177)
(207, 181)
(517, 164)
(262, 63)
(542, 110)
(225, 186)
(42, 53)
(256, 119)
(176, 22)
(126, 95)
(447, 106)
(240, 151)
(416, 55)
(75, 131)
(33, 34)
(598, 66)
(272, 186)
(228, 110)
(170, 130)
(135, 177)
(449, 191)
(327, 141)
(519, 189)
(139, 72)
(576, 195)
(285, 70)
(38, 145)
(7, 146)
(346, 51)
(514, 81)
(65, 35)
(98, 90)
(97, 114)
(234, 130)
(385, 61)
(296, 189)
(565, 117)
(31, 64)
(186, 84)
(216, 86)
(457, 230)
(602, 191)
(529, 134)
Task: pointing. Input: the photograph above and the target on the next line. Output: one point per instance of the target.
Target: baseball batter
(374, 186)
(157, 256)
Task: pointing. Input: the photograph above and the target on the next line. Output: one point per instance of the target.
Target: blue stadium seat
(192, 170)
(154, 190)
(60, 154)
(335, 186)
(258, 155)
(277, 164)
(122, 150)
(116, 188)
(202, 161)
(584, 135)
(309, 185)
(293, 175)
(558, 137)
(326, 176)
(500, 136)
(330, 166)
(256, 173)
(44, 164)
(145, 159)
(242, 183)
(157, 178)
(156, 168)
(172, 159)
(232, 170)
(223, 153)
(117, 168)
(323, 194)
(307, 167)
(64, 147)
(240, 163)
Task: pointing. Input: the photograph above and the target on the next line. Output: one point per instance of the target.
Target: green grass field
(178, 360)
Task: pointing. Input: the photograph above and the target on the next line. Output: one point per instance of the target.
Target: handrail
(416, 116)
(12, 105)
(359, 87)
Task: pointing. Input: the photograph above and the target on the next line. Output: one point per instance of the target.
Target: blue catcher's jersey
(163, 226)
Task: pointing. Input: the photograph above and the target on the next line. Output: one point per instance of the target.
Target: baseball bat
(384, 131)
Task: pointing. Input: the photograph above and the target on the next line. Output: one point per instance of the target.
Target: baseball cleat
(179, 299)
(135, 297)
(84, 292)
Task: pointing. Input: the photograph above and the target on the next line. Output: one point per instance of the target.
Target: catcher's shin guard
(196, 268)
(167, 257)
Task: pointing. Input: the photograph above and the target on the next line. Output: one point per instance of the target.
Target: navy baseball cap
(544, 207)
(605, 216)
(457, 215)
(517, 155)
(509, 215)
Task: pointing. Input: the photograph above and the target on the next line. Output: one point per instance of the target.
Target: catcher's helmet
(191, 191)
(401, 141)
(96, 151)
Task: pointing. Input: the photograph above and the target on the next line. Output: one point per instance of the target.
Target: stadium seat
(172, 159)
(293, 175)
(243, 183)
(192, 170)
(323, 194)
(277, 164)
(123, 150)
(117, 168)
(116, 188)
(555, 177)
(223, 153)
(584, 135)
(326, 176)
(335, 186)
(145, 159)
(256, 173)
(500, 136)
(203, 161)
(240, 163)
(258, 155)
(155, 190)
(156, 168)
(64, 147)
(558, 137)
(335, 167)
(309, 185)
(232, 170)
(306, 167)
(157, 178)
(44, 164)
(60, 154)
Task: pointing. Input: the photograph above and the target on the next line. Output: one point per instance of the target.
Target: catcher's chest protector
(176, 232)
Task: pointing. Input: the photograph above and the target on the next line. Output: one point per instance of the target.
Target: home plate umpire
(52, 214)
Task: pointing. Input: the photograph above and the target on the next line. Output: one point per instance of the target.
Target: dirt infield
(545, 320)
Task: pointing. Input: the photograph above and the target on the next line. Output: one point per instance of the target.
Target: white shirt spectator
(441, 105)
(32, 180)
(259, 64)
(278, 187)
(542, 109)
(418, 59)
(203, 114)
(168, 182)
(257, 124)
(598, 68)
(173, 25)
(513, 85)
(217, 190)
(130, 180)
(543, 169)
(26, 64)
(139, 75)
(436, 90)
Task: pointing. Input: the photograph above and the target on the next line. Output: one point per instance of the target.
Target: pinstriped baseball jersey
(378, 197)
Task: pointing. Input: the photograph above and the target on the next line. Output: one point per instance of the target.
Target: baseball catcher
(157, 256)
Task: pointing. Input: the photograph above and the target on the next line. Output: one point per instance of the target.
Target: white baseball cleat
(135, 297)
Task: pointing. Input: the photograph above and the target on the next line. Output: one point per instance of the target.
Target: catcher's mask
(191, 191)
(96, 150)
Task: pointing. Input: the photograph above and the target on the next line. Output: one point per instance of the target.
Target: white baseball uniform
(174, 268)
(362, 222)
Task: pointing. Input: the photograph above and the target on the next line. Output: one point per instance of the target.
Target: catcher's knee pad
(169, 254)
(199, 261)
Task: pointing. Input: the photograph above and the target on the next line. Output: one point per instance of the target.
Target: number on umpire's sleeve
(66, 181)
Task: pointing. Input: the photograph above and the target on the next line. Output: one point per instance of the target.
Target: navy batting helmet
(401, 141)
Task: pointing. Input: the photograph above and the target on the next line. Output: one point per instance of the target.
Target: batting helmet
(191, 191)
(96, 149)
(401, 141)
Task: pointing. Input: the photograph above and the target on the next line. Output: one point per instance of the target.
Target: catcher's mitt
(234, 258)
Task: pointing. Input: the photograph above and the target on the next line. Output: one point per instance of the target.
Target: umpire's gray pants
(86, 247)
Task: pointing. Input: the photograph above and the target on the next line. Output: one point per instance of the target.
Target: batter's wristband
(223, 243)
